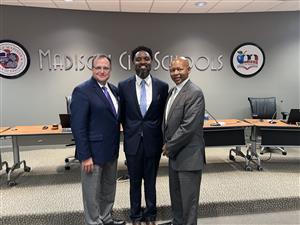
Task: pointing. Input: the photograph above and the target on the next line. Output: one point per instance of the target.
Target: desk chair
(4, 163)
(71, 159)
(264, 108)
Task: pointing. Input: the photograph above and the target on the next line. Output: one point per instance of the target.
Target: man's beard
(143, 73)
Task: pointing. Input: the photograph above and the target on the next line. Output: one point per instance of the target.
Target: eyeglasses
(105, 69)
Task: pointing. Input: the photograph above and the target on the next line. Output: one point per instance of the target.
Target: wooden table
(278, 134)
(33, 135)
(229, 132)
(4, 163)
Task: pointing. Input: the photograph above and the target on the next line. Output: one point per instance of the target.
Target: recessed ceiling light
(200, 4)
(68, 0)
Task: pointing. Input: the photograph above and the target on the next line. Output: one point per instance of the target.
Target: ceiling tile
(136, 5)
(287, 6)
(104, 5)
(259, 6)
(190, 6)
(167, 6)
(75, 4)
(10, 2)
(229, 6)
(38, 3)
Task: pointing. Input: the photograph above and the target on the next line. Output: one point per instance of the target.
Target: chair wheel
(248, 168)
(231, 157)
(27, 169)
(11, 183)
(284, 153)
(259, 168)
(67, 167)
(66, 160)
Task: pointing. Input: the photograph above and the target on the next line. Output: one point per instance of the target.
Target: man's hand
(165, 151)
(87, 165)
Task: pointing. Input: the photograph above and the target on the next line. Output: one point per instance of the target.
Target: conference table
(2, 129)
(275, 133)
(30, 136)
(230, 132)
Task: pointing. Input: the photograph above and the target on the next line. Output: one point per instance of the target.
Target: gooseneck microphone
(273, 117)
(216, 124)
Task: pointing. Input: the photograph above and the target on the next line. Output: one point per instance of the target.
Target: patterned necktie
(109, 100)
(170, 102)
(143, 100)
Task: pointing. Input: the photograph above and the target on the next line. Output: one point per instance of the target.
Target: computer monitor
(65, 121)
(294, 116)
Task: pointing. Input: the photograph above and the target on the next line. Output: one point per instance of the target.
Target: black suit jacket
(136, 126)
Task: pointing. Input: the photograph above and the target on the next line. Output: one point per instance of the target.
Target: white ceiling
(164, 6)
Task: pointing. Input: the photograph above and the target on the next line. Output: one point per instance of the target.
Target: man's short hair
(141, 48)
(96, 57)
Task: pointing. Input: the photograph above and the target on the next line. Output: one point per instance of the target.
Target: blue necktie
(109, 100)
(143, 100)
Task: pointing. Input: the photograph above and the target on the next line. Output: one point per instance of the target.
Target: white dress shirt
(148, 86)
(112, 96)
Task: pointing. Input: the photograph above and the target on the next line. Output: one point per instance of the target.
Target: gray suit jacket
(183, 132)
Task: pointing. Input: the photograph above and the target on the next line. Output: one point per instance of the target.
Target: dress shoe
(116, 222)
(136, 223)
(166, 223)
(150, 223)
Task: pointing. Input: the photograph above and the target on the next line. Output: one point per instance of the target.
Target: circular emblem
(14, 59)
(247, 59)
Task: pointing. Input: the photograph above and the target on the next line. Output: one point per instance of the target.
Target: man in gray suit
(184, 143)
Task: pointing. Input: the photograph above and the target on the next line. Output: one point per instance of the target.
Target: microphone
(273, 117)
(216, 124)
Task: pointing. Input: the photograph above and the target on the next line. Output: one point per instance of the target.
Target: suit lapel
(154, 94)
(178, 98)
(132, 86)
(100, 93)
(169, 95)
(117, 98)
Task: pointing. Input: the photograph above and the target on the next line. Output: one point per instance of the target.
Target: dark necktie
(105, 91)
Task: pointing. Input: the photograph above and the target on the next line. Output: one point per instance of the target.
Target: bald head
(179, 69)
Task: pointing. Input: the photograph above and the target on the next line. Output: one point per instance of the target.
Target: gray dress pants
(184, 192)
(98, 192)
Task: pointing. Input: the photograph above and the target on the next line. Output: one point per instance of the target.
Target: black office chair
(71, 159)
(264, 108)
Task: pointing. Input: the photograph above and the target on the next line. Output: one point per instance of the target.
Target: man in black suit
(142, 98)
(96, 129)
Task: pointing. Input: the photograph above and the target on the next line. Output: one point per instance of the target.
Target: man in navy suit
(96, 129)
(142, 98)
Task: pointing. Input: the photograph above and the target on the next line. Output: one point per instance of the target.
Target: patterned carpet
(51, 195)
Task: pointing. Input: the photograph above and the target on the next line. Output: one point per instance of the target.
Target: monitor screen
(294, 116)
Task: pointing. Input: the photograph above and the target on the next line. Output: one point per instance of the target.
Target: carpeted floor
(50, 195)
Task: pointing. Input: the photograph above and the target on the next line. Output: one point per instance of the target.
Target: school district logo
(14, 59)
(247, 59)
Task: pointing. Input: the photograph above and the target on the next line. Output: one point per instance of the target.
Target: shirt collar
(147, 80)
(180, 86)
(101, 86)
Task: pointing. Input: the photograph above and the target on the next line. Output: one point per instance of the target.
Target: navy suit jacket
(95, 127)
(136, 126)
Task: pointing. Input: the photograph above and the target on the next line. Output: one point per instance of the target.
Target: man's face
(101, 70)
(142, 64)
(179, 70)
